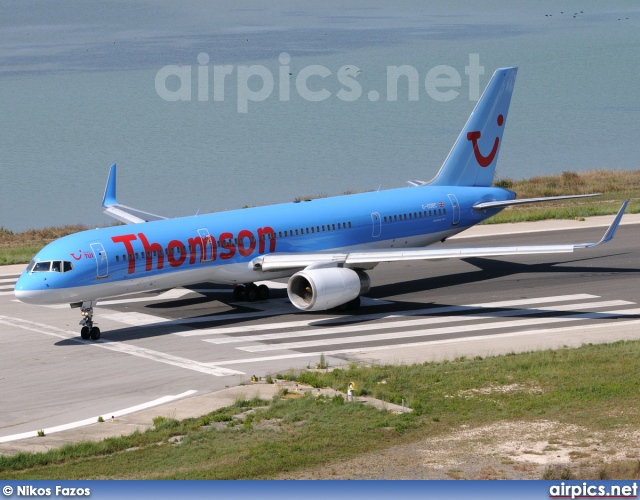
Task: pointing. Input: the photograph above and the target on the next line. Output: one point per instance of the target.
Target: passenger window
(117, 258)
(333, 226)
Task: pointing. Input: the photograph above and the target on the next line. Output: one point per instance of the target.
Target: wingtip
(109, 198)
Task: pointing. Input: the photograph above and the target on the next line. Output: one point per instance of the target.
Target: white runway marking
(141, 352)
(135, 318)
(11, 280)
(174, 293)
(619, 324)
(273, 308)
(418, 322)
(377, 316)
(436, 331)
(93, 420)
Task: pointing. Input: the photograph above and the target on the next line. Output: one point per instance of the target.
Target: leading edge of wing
(120, 212)
(508, 203)
(280, 262)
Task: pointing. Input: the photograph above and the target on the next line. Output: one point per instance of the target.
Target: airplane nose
(26, 290)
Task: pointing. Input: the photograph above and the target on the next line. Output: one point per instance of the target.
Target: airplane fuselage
(219, 247)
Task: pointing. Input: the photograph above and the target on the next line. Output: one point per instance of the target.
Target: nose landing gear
(88, 331)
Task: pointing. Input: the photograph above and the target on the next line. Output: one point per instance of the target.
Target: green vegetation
(616, 186)
(19, 248)
(595, 386)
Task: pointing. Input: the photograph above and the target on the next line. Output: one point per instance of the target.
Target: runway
(197, 340)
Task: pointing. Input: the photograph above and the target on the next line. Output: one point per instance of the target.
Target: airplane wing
(280, 262)
(120, 212)
(507, 203)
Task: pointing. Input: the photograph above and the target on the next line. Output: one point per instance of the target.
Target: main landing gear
(251, 292)
(88, 331)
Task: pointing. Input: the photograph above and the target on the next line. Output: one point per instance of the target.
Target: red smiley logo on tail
(484, 161)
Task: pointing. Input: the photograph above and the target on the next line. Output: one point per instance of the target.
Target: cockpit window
(42, 267)
(30, 266)
(56, 266)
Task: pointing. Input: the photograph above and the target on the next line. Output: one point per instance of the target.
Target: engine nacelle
(325, 288)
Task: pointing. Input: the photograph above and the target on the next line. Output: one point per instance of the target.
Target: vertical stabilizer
(472, 160)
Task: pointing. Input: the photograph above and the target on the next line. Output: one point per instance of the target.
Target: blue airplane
(325, 246)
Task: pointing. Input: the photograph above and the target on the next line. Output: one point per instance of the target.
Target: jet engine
(324, 288)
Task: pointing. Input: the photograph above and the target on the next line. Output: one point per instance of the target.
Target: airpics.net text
(256, 83)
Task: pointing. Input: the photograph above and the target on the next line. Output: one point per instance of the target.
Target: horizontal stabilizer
(508, 203)
(120, 212)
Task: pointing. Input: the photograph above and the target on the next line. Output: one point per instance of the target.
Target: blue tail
(473, 158)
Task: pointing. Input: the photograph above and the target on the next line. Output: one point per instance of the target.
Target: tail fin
(472, 160)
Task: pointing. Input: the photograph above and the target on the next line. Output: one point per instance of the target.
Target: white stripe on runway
(437, 331)
(416, 322)
(375, 316)
(8, 293)
(12, 280)
(135, 319)
(141, 352)
(363, 349)
(93, 420)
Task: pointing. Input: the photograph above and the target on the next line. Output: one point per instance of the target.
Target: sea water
(81, 88)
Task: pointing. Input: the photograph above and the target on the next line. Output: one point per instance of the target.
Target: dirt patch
(506, 450)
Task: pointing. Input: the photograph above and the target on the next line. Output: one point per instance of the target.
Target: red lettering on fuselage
(127, 239)
(226, 242)
(266, 233)
(149, 249)
(182, 253)
(176, 251)
(243, 249)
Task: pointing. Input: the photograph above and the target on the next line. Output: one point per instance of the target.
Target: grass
(617, 186)
(595, 386)
(19, 248)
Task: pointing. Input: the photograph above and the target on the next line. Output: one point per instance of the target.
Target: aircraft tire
(251, 293)
(263, 292)
(84, 333)
(238, 293)
(94, 333)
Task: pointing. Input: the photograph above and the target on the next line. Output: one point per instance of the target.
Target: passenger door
(102, 263)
